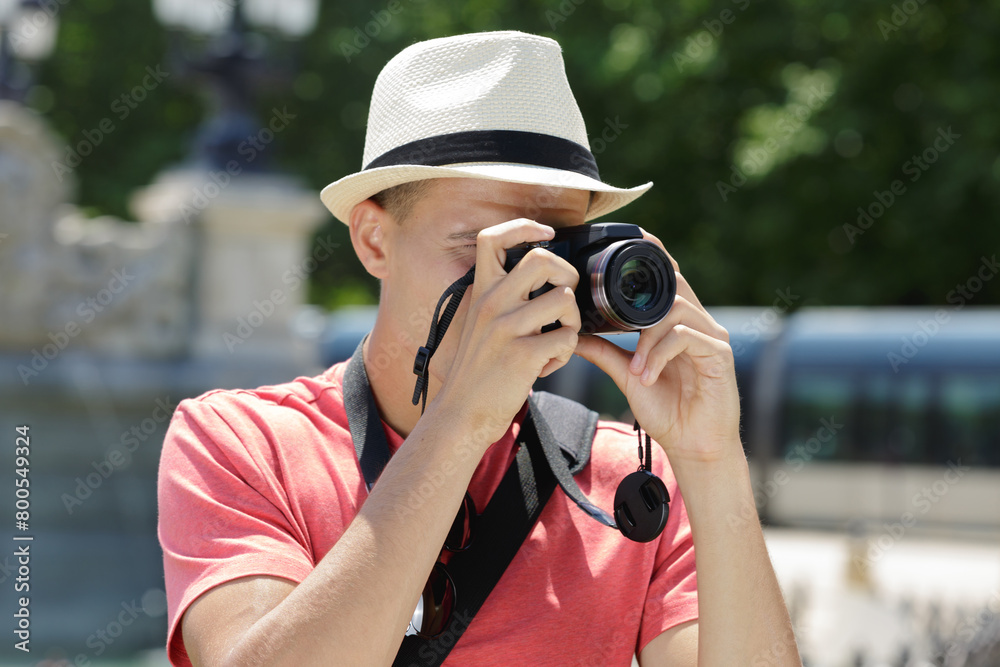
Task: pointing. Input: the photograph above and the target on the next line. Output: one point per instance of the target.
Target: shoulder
(295, 394)
(264, 416)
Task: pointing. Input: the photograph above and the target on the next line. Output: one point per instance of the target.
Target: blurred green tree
(845, 151)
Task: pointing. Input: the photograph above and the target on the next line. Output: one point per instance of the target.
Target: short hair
(398, 200)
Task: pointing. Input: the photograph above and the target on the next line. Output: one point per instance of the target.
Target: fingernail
(645, 376)
(636, 364)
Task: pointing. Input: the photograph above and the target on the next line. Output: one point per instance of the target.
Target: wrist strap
(421, 364)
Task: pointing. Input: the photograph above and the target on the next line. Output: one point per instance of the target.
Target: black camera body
(626, 282)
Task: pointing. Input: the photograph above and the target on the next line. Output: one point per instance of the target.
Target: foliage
(827, 100)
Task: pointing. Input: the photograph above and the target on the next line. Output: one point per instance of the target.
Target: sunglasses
(436, 603)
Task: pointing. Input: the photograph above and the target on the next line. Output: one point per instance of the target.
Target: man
(275, 550)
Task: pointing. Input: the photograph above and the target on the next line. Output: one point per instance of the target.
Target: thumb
(607, 356)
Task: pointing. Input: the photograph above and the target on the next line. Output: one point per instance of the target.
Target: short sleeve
(672, 597)
(221, 516)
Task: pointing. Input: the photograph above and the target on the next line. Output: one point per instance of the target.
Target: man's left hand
(680, 382)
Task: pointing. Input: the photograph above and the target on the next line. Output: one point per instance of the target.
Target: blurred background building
(828, 177)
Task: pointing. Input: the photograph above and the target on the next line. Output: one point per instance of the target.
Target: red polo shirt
(264, 482)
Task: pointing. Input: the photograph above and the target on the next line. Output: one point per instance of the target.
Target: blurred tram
(884, 416)
(862, 419)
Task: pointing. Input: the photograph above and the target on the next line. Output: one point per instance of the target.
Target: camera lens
(637, 284)
(632, 284)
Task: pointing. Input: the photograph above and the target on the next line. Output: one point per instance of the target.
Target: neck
(389, 365)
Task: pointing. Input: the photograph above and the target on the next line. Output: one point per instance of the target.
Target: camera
(626, 282)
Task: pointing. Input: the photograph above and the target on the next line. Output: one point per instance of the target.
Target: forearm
(356, 604)
(742, 616)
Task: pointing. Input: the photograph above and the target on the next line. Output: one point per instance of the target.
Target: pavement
(886, 599)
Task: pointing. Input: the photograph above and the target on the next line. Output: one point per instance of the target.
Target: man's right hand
(501, 350)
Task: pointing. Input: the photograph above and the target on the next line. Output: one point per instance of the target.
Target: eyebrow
(463, 236)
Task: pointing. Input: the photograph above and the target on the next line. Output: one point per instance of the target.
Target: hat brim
(343, 195)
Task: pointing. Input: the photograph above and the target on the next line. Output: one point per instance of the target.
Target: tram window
(910, 435)
(971, 418)
(874, 422)
(818, 399)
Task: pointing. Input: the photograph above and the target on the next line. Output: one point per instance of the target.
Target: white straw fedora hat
(491, 105)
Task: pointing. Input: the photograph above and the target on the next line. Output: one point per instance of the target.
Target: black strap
(514, 146)
(574, 424)
(421, 364)
(571, 425)
(363, 419)
(500, 530)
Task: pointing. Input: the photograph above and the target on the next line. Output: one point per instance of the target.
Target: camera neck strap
(502, 528)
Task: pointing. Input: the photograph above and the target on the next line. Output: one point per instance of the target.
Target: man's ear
(366, 223)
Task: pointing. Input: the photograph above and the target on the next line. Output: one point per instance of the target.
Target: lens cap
(641, 508)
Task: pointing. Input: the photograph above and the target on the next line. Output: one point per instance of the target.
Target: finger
(535, 269)
(556, 346)
(650, 237)
(607, 356)
(685, 290)
(539, 267)
(681, 312)
(710, 356)
(558, 304)
(683, 287)
(492, 244)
